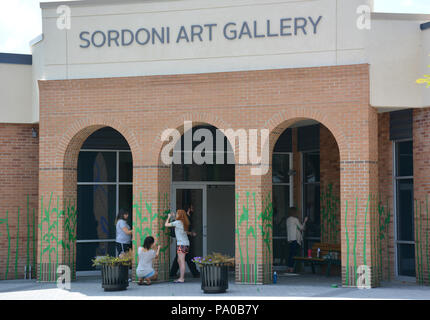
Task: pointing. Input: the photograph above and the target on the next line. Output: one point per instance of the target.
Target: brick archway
(58, 191)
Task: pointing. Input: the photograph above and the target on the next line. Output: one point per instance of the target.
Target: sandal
(177, 281)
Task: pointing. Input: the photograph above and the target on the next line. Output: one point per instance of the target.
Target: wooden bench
(329, 255)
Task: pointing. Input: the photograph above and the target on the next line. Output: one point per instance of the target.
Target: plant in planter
(114, 271)
(214, 272)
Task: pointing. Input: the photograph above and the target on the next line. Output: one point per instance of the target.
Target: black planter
(214, 278)
(114, 278)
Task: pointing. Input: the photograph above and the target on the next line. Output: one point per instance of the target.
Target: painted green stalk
(255, 237)
(365, 229)
(17, 248)
(247, 221)
(347, 245)
(28, 232)
(355, 239)
(34, 241)
(40, 239)
(238, 236)
(6, 221)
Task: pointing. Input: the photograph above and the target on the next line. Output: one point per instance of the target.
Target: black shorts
(122, 247)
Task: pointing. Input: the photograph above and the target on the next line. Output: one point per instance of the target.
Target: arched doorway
(306, 175)
(104, 186)
(206, 180)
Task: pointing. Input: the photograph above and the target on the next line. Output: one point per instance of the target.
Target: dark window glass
(280, 168)
(125, 167)
(405, 210)
(281, 204)
(311, 164)
(126, 199)
(405, 164)
(205, 171)
(97, 166)
(284, 142)
(86, 252)
(194, 172)
(96, 212)
(311, 207)
(406, 260)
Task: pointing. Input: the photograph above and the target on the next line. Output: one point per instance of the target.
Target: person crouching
(145, 271)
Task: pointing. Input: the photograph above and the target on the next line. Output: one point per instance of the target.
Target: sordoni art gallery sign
(165, 35)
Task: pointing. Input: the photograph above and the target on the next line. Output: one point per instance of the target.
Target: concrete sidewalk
(288, 287)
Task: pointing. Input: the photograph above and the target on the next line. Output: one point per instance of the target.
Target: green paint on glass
(17, 248)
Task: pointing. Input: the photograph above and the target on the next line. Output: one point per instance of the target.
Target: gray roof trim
(14, 58)
(425, 26)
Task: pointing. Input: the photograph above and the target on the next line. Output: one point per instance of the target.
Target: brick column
(151, 205)
(421, 146)
(359, 214)
(253, 224)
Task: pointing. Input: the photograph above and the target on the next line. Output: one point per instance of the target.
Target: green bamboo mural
(263, 222)
(242, 266)
(347, 244)
(143, 225)
(69, 226)
(163, 234)
(17, 247)
(266, 227)
(330, 214)
(365, 232)
(255, 239)
(355, 240)
(6, 222)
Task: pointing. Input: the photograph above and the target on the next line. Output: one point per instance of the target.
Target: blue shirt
(121, 236)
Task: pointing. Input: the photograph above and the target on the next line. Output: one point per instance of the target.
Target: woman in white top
(182, 243)
(145, 271)
(294, 234)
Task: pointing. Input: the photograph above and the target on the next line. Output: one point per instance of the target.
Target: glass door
(194, 197)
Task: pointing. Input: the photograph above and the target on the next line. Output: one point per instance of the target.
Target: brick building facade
(356, 185)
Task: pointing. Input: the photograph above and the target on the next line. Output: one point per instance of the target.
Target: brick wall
(19, 163)
(330, 187)
(385, 196)
(140, 108)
